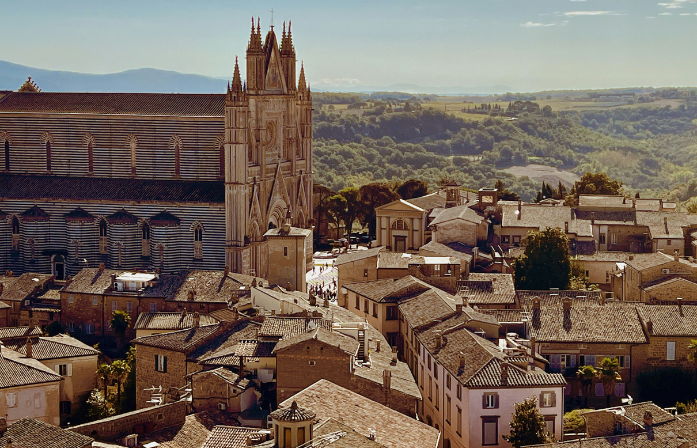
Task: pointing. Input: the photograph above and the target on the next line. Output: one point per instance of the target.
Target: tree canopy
(593, 183)
(528, 425)
(545, 263)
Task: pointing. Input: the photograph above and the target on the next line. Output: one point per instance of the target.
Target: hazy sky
(526, 44)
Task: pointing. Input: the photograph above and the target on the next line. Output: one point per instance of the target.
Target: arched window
(177, 167)
(198, 241)
(15, 234)
(7, 155)
(90, 157)
(145, 241)
(400, 225)
(103, 244)
(48, 156)
(222, 161)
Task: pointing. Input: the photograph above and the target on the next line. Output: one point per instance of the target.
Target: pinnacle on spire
(236, 79)
(302, 86)
(289, 41)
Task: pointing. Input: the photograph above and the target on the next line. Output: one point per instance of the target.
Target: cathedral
(157, 181)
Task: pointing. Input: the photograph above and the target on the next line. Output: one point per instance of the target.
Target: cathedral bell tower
(236, 191)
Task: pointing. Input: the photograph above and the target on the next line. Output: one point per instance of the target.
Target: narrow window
(103, 244)
(177, 170)
(153, 307)
(459, 420)
(15, 234)
(221, 152)
(90, 157)
(198, 242)
(7, 155)
(48, 156)
(133, 146)
(670, 351)
(145, 241)
(301, 436)
(490, 430)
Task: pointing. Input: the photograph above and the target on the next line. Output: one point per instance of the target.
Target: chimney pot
(458, 307)
(394, 356)
(377, 348)
(29, 349)
(536, 303)
(196, 319)
(566, 303)
(649, 327)
(439, 339)
(676, 255)
(504, 374)
(387, 378)
(461, 358)
(648, 418)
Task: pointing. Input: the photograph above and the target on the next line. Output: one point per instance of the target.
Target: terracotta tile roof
(249, 349)
(229, 437)
(483, 358)
(17, 186)
(79, 215)
(18, 370)
(606, 256)
(194, 431)
(357, 255)
(180, 341)
(670, 320)
(658, 438)
(345, 343)
(55, 347)
(51, 294)
(205, 105)
(645, 261)
(91, 281)
(30, 433)
(459, 212)
(490, 289)
(588, 321)
(607, 217)
(432, 247)
(389, 290)
(229, 337)
(425, 308)
(394, 260)
(429, 201)
(293, 413)
(603, 200)
(35, 214)
(635, 412)
(665, 224)
(505, 315)
(227, 375)
(16, 289)
(19, 332)
(122, 216)
(212, 286)
(170, 321)
(287, 327)
(539, 217)
(349, 437)
(394, 429)
(552, 296)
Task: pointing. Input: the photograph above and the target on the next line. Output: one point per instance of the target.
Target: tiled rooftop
(206, 105)
(460, 212)
(251, 350)
(229, 437)
(21, 186)
(670, 320)
(18, 370)
(19, 332)
(181, 340)
(645, 261)
(223, 341)
(227, 375)
(194, 431)
(390, 290)
(212, 286)
(432, 247)
(345, 343)
(54, 347)
(170, 321)
(19, 288)
(357, 255)
(287, 327)
(394, 429)
(429, 201)
(31, 433)
(292, 413)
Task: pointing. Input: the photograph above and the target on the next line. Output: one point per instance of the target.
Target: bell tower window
(198, 242)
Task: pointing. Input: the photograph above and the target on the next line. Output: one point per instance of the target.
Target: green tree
(528, 425)
(586, 374)
(412, 188)
(336, 209)
(692, 351)
(54, 328)
(609, 373)
(320, 197)
(98, 407)
(545, 263)
(104, 374)
(590, 183)
(374, 195)
(574, 421)
(129, 386)
(119, 371)
(504, 194)
(353, 206)
(120, 321)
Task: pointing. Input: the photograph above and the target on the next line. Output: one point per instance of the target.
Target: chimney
(197, 319)
(29, 350)
(566, 226)
(286, 222)
(520, 209)
(533, 347)
(536, 303)
(566, 303)
(601, 300)
(226, 271)
(649, 327)
(190, 295)
(458, 306)
(665, 223)
(680, 305)
(394, 356)
(101, 267)
(461, 358)
(504, 373)
(3, 426)
(377, 347)
(676, 255)
(439, 339)
(648, 419)
(387, 379)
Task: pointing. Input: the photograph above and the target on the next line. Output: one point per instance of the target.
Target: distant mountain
(12, 76)
(413, 89)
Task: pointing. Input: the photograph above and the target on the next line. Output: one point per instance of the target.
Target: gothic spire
(255, 38)
(236, 79)
(302, 86)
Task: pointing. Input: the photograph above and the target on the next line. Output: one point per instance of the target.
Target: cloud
(536, 24)
(651, 17)
(675, 4)
(665, 14)
(577, 0)
(588, 13)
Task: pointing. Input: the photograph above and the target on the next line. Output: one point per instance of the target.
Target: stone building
(655, 278)
(157, 181)
(26, 300)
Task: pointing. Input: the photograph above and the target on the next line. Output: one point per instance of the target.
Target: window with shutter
(11, 399)
(670, 351)
(490, 400)
(70, 370)
(619, 390)
(599, 392)
(490, 431)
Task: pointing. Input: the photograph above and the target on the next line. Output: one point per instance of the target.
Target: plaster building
(30, 389)
(471, 386)
(290, 248)
(158, 181)
(74, 361)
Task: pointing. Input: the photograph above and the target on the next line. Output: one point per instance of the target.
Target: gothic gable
(274, 79)
(278, 191)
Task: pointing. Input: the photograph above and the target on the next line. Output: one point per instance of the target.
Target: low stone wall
(139, 422)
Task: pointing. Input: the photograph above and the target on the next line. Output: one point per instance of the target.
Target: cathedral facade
(157, 181)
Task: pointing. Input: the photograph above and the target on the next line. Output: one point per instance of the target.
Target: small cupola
(292, 426)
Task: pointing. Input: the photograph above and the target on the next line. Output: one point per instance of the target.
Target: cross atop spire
(271, 19)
